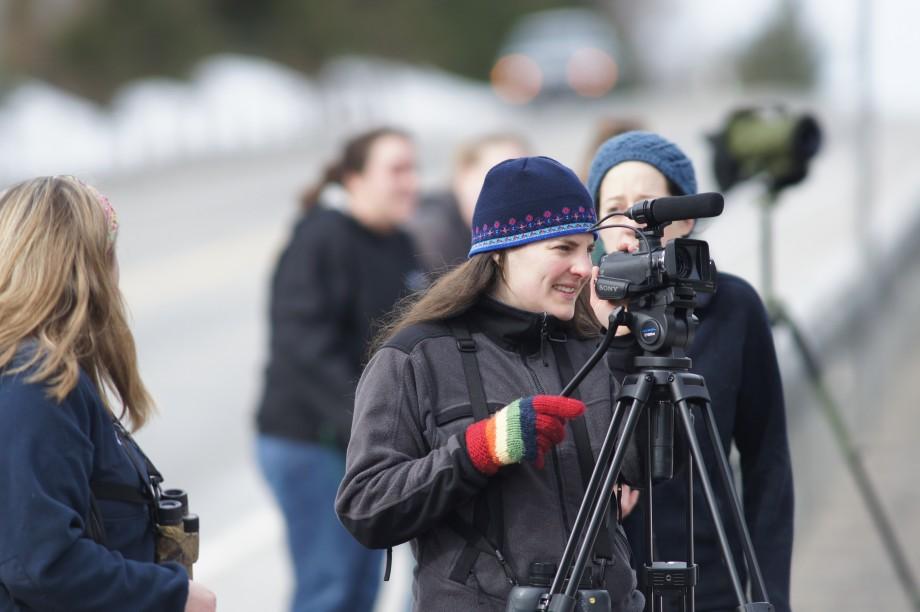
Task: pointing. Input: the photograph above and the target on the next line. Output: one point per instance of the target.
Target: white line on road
(263, 530)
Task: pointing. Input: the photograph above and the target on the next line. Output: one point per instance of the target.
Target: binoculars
(177, 530)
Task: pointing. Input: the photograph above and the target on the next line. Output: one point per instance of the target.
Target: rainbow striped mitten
(524, 430)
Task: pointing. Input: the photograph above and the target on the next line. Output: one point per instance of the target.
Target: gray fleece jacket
(407, 470)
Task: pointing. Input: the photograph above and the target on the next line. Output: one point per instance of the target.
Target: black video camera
(683, 262)
(659, 283)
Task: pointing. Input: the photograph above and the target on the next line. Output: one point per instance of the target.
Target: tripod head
(663, 324)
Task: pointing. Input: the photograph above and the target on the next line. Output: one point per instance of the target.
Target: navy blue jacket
(733, 350)
(49, 452)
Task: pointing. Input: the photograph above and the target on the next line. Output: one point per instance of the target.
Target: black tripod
(663, 328)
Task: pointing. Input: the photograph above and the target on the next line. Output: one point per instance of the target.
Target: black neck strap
(586, 459)
(488, 517)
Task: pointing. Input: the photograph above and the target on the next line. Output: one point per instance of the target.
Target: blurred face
(468, 180)
(546, 276)
(385, 192)
(624, 185)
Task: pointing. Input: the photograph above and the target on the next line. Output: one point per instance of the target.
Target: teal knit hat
(646, 147)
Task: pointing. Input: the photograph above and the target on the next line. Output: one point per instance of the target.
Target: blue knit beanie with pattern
(646, 147)
(528, 199)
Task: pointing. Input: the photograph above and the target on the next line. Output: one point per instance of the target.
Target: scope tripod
(659, 376)
(780, 317)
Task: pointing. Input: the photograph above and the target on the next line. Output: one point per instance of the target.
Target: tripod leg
(725, 473)
(853, 460)
(683, 409)
(603, 499)
(691, 551)
(592, 493)
(652, 604)
(657, 602)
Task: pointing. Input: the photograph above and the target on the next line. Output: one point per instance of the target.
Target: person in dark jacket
(460, 441)
(341, 271)
(733, 350)
(440, 227)
(67, 360)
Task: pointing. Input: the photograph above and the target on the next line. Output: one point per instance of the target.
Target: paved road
(198, 242)
(839, 562)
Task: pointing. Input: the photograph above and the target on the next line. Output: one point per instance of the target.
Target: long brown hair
(354, 158)
(458, 290)
(59, 288)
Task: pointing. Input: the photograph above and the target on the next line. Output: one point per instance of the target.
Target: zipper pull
(543, 335)
(509, 575)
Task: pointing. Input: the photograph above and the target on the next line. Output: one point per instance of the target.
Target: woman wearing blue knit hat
(733, 350)
(460, 442)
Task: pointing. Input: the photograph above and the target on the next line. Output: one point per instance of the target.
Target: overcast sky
(713, 27)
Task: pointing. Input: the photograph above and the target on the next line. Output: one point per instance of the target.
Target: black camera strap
(586, 459)
(95, 528)
(117, 491)
(579, 426)
(488, 516)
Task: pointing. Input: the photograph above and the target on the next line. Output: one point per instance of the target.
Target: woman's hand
(524, 430)
(603, 308)
(200, 599)
(629, 497)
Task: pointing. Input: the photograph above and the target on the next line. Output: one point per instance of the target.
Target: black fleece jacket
(332, 284)
(733, 350)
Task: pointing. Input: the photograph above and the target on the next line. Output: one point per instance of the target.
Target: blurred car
(560, 52)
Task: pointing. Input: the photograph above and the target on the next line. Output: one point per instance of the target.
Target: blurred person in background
(68, 376)
(340, 272)
(733, 350)
(441, 227)
(445, 451)
(605, 129)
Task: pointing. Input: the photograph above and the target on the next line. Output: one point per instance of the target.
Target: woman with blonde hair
(68, 377)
